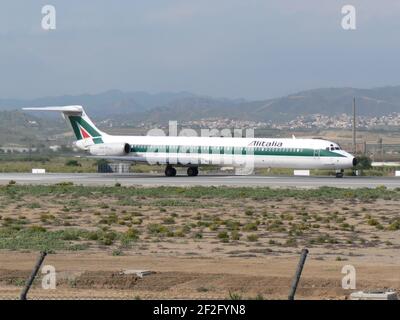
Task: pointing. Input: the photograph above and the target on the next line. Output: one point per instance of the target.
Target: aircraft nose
(355, 161)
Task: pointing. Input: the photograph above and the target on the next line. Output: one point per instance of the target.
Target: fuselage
(237, 152)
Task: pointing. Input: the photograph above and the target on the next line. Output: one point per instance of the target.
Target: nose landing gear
(339, 173)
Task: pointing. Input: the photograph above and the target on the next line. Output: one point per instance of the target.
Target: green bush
(250, 227)
(394, 225)
(252, 237)
(169, 220)
(235, 235)
(132, 234)
(232, 224)
(223, 235)
(372, 222)
(72, 163)
(35, 228)
(364, 163)
(198, 235)
(157, 229)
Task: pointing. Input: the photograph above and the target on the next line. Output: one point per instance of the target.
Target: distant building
(55, 148)
(17, 149)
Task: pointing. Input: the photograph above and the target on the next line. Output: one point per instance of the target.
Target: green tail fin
(83, 127)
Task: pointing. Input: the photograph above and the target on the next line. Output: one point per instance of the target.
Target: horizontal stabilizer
(65, 109)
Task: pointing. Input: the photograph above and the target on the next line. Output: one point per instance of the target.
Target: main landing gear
(171, 171)
(192, 171)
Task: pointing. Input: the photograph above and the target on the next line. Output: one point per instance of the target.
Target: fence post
(297, 275)
(32, 277)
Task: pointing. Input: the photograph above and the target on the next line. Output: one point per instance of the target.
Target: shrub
(232, 225)
(132, 234)
(235, 235)
(252, 237)
(157, 229)
(93, 235)
(291, 242)
(223, 235)
(33, 205)
(234, 296)
(179, 233)
(169, 220)
(364, 163)
(198, 235)
(36, 228)
(214, 226)
(137, 221)
(70, 235)
(72, 163)
(395, 225)
(108, 238)
(250, 227)
(117, 252)
(372, 222)
(65, 184)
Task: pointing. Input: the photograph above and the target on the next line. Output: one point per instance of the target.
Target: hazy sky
(235, 48)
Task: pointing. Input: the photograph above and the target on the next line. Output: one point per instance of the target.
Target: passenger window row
(212, 149)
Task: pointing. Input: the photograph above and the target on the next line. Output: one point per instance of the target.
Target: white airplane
(193, 152)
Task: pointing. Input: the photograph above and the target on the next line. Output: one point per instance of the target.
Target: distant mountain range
(105, 104)
(161, 107)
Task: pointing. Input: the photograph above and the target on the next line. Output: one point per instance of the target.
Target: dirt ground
(205, 248)
(95, 275)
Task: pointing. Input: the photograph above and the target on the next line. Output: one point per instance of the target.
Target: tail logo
(84, 133)
(82, 129)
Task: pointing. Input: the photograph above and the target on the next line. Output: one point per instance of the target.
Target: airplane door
(317, 153)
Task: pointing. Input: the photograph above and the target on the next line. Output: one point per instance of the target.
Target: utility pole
(354, 126)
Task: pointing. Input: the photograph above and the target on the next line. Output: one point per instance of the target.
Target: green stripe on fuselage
(97, 140)
(298, 152)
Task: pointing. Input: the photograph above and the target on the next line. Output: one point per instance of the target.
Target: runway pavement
(148, 180)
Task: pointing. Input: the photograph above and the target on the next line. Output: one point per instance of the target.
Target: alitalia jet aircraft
(193, 152)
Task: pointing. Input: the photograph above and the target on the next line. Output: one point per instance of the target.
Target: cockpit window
(333, 147)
